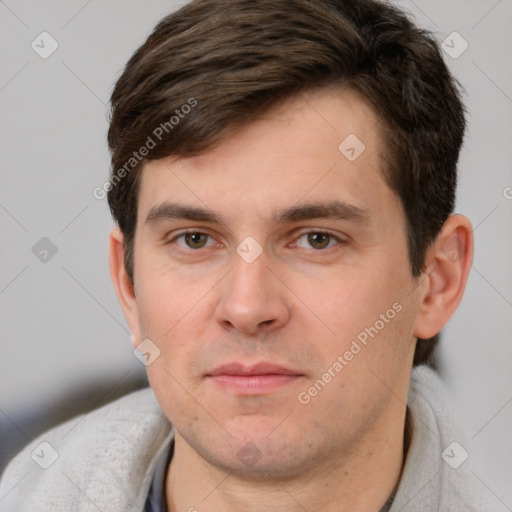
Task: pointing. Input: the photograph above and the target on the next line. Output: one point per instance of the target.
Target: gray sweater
(106, 460)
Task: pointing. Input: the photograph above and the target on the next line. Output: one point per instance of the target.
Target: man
(283, 181)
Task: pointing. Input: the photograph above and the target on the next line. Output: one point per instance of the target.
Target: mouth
(257, 379)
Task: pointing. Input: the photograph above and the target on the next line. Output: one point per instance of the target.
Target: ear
(446, 273)
(122, 284)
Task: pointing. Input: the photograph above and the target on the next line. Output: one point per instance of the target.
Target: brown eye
(319, 240)
(195, 240)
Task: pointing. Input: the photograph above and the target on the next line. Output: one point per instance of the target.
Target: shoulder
(103, 459)
(438, 472)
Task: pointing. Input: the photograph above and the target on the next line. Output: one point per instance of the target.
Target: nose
(252, 298)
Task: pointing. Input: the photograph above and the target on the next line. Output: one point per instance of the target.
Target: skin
(300, 304)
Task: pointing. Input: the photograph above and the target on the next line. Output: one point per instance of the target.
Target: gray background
(61, 327)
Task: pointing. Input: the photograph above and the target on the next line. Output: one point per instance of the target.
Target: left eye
(193, 240)
(317, 240)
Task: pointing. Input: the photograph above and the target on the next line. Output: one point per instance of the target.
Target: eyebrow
(167, 211)
(323, 210)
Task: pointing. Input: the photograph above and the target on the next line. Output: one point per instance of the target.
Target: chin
(258, 449)
(262, 463)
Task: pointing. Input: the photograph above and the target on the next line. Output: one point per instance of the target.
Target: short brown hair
(237, 58)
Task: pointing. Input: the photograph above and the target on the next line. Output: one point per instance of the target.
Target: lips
(249, 370)
(256, 379)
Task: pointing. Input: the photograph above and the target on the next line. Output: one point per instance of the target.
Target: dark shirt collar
(156, 501)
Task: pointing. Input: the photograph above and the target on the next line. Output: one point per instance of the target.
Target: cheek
(166, 298)
(353, 299)
(370, 316)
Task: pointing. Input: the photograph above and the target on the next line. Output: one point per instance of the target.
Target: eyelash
(339, 241)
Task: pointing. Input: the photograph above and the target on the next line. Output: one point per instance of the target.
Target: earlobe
(122, 283)
(446, 272)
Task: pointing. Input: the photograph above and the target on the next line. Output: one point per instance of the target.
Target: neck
(358, 480)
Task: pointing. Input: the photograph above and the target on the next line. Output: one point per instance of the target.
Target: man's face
(270, 289)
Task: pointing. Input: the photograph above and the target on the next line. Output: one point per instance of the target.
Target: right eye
(192, 240)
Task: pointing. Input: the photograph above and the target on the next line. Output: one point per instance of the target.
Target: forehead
(319, 146)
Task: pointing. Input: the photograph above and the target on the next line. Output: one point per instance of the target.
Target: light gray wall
(61, 324)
